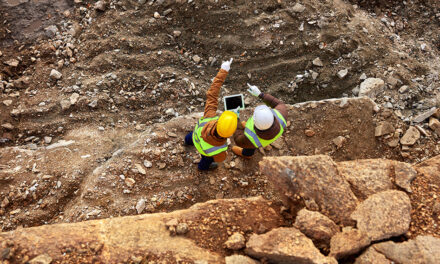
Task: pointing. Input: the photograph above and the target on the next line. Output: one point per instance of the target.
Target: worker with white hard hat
(266, 125)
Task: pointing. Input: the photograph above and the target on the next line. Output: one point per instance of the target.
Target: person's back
(211, 131)
(266, 125)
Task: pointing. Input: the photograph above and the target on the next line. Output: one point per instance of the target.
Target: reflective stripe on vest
(201, 145)
(280, 118)
(258, 142)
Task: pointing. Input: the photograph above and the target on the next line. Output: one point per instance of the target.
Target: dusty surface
(131, 88)
(411, 211)
(25, 20)
(123, 240)
(426, 199)
(91, 177)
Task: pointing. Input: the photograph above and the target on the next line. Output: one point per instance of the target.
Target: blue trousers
(205, 162)
(248, 152)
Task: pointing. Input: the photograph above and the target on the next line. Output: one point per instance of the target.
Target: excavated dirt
(140, 86)
(25, 20)
(124, 240)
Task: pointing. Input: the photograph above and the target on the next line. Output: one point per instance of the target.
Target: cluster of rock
(193, 235)
(374, 89)
(146, 173)
(367, 198)
(426, 124)
(352, 208)
(62, 49)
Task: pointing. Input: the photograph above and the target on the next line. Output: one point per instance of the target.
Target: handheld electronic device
(233, 101)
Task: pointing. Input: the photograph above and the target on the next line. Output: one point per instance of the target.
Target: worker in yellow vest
(211, 132)
(266, 125)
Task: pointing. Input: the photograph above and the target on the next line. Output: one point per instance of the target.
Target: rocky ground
(95, 98)
(360, 211)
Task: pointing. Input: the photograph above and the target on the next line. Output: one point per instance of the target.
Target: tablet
(233, 101)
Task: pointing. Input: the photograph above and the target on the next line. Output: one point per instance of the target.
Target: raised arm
(275, 103)
(268, 99)
(211, 105)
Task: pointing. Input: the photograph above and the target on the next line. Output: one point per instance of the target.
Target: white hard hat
(263, 117)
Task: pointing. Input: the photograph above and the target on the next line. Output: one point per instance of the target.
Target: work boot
(213, 166)
(239, 152)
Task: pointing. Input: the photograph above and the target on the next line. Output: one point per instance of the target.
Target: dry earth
(105, 139)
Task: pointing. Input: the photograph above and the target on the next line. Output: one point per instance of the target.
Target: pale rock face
(384, 128)
(298, 8)
(342, 73)
(196, 58)
(51, 31)
(100, 6)
(372, 256)
(140, 206)
(349, 242)
(74, 98)
(8, 126)
(65, 104)
(371, 86)
(425, 115)
(7, 102)
(434, 124)
(422, 249)
(367, 176)
(329, 191)
(41, 259)
(384, 215)
(285, 245)
(56, 75)
(411, 136)
(240, 259)
(318, 62)
(12, 62)
(404, 174)
(236, 242)
(316, 226)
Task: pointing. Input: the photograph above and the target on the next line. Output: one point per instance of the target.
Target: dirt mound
(339, 186)
(211, 231)
(126, 61)
(99, 172)
(25, 20)
(93, 114)
(145, 238)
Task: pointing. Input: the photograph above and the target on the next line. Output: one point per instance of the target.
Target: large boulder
(240, 259)
(421, 250)
(316, 226)
(286, 245)
(372, 256)
(316, 180)
(368, 176)
(384, 215)
(349, 242)
(371, 176)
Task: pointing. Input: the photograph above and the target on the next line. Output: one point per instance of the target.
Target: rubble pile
(254, 229)
(97, 96)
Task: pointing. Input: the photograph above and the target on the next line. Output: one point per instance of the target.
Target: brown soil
(425, 202)
(135, 68)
